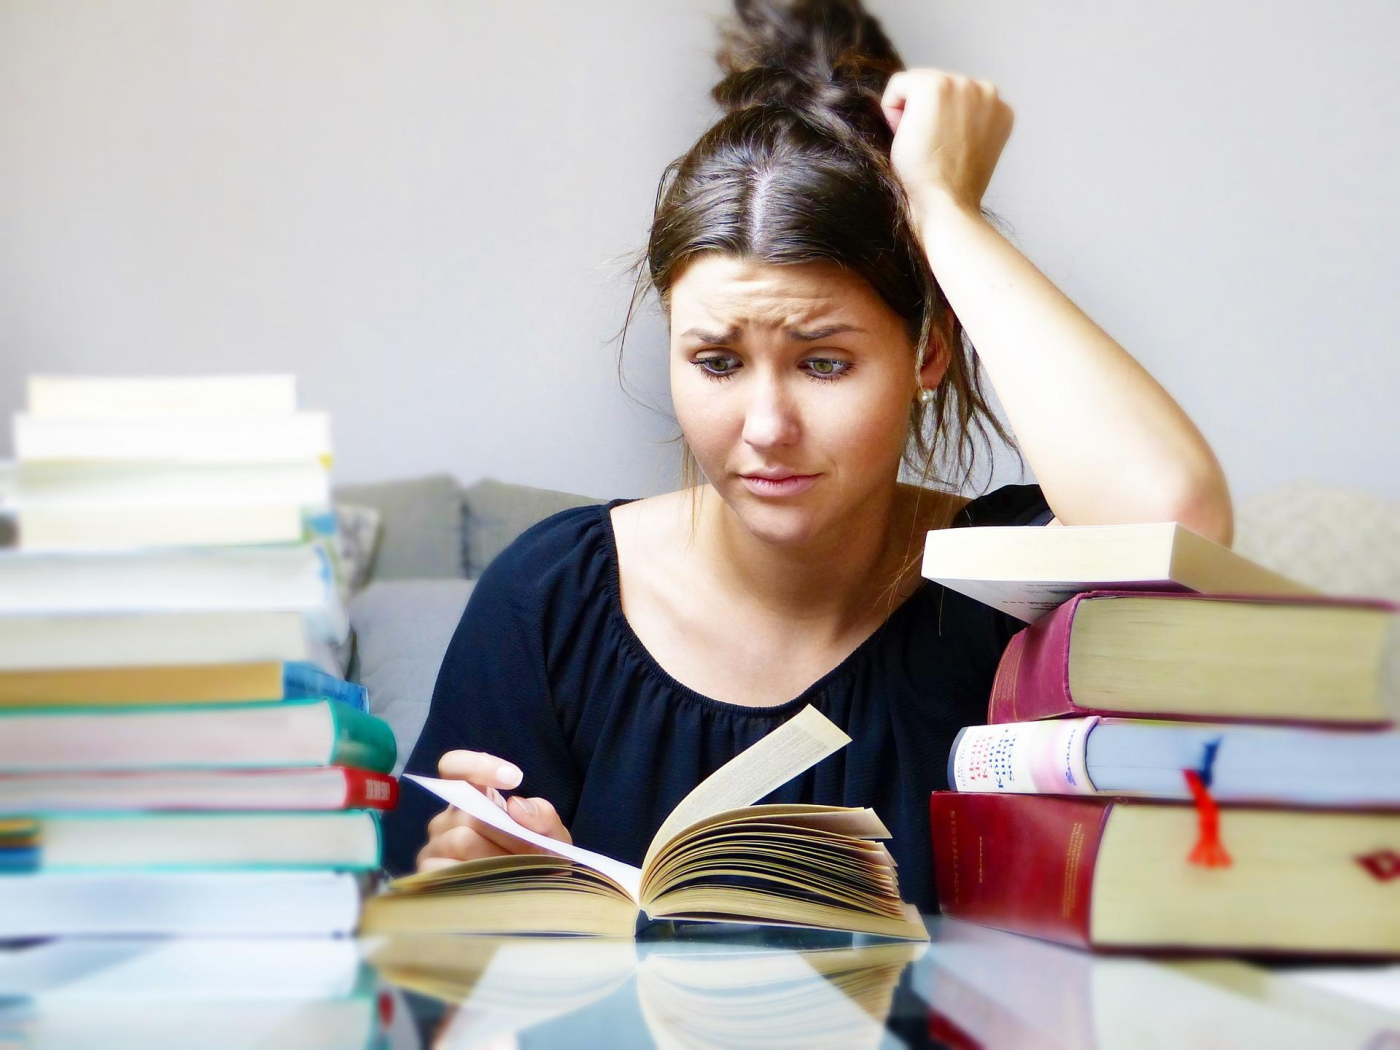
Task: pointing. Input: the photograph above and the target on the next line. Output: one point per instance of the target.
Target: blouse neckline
(813, 694)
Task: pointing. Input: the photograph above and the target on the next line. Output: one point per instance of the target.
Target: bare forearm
(1106, 442)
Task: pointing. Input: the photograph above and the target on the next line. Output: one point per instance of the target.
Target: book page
(798, 744)
(468, 799)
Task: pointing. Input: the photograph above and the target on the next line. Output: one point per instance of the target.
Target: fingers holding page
(539, 815)
(479, 769)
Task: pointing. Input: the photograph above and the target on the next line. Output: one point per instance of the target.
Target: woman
(822, 253)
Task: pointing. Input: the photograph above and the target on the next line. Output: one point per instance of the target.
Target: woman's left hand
(949, 133)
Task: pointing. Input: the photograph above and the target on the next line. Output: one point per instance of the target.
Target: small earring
(926, 394)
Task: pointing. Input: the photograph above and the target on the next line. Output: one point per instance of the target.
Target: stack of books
(178, 751)
(1185, 751)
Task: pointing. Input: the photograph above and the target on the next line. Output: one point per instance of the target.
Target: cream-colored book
(716, 858)
(107, 397)
(1028, 572)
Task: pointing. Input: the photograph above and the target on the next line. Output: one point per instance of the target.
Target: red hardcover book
(323, 788)
(1114, 874)
(1203, 657)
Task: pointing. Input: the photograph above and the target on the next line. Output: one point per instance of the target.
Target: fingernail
(509, 774)
(526, 805)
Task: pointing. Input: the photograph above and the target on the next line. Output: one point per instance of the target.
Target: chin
(783, 524)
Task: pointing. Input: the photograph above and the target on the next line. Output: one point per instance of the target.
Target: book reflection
(668, 993)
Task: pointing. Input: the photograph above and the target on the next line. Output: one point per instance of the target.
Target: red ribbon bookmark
(1209, 851)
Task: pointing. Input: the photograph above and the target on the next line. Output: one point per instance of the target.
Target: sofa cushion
(495, 513)
(420, 526)
(402, 629)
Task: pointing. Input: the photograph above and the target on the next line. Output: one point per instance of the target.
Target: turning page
(798, 744)
(468, 799)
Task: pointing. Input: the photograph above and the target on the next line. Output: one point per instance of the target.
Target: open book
(717, 858)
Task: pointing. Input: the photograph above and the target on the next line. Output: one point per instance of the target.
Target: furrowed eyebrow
(824, 332)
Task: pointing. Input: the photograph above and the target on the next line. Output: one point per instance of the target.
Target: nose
(771, 416)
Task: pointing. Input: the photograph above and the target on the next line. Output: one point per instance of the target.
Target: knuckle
(460, 842)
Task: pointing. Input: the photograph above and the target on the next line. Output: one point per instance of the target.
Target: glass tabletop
(755, 986)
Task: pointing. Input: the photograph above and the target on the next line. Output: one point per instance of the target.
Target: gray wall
(424, 209)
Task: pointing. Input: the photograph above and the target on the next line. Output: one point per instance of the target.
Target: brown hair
(798, 170)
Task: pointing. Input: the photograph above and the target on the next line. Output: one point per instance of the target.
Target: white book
(180, 396)
(243, 439)
(1248, 764)
(128, 528)
(1028, 572)
(34, 643)
(288, 578)
(59, 904)
(88, 486)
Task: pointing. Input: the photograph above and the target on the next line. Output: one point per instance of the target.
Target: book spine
(1032, 679)
(1024, 758)
(361, 741)
(302, 680)
(365, 790)
(1017, 862)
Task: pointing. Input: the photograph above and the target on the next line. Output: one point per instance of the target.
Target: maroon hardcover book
(1033, 864)
(1038, 877)
(1032, 679)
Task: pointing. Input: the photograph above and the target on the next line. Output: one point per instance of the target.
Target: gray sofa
(435, 538)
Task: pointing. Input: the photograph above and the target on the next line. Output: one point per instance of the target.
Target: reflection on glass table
(970, 987)
(752, 987)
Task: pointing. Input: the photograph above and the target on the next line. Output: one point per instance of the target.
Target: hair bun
(811, 55)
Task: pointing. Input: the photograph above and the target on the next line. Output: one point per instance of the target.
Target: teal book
(285, 734)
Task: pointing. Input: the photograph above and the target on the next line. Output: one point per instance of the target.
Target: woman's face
(799, 372)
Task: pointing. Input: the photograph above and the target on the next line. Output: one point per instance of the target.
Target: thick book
(183, 903)
(179, 397)
(306, 788)
(1028, 572)
(1283, 765)
(248, 736)
(221, 683)
(1174, 655)
(297, 577)
(1114, 874)
(87, 641)
(55, 486)
(716, 858)
(293, 438)
(108, 527)
(342, 841)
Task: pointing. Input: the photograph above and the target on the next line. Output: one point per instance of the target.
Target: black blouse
(545, 671)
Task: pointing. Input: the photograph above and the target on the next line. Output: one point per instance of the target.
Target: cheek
(868, 422)
(708, 420)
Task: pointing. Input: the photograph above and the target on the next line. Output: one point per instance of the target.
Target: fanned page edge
(467, 798)
(753, 773)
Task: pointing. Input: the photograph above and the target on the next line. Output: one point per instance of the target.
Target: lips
(780, 487)
(776, 475)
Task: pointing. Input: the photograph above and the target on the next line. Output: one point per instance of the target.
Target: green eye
(823, 367)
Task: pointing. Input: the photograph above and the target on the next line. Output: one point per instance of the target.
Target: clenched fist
(949, 131)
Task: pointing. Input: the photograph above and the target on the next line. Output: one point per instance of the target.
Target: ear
(935, 365)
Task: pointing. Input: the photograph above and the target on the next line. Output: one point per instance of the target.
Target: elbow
(1205, 508)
